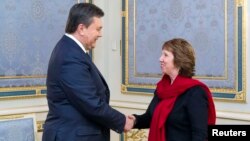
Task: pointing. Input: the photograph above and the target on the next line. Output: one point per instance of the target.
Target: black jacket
(188, 120)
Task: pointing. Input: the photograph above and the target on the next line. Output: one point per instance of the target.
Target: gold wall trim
(8, 117)
(136, 135)
(19, 77)
(39, 125)
(37, 92)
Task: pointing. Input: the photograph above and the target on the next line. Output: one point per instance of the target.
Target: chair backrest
(18, 128)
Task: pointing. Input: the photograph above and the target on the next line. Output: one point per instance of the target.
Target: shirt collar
(78, 42)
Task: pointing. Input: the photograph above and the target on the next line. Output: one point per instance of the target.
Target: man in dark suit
(77, 94)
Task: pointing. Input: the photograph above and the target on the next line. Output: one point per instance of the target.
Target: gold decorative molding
(39, 125)
(123, 88)
(18, 77)
(136, 135)
(124, 13)
(37, 92)
(240, 2)
(8, 117)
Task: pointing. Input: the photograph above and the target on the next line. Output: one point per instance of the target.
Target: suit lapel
(97, 70)
(73, 43)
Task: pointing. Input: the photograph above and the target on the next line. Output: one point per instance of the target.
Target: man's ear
(82, 29)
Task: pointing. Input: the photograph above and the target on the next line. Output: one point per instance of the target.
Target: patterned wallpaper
(29, 31)
(157, 21)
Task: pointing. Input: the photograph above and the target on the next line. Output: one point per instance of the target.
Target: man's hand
(130, 119)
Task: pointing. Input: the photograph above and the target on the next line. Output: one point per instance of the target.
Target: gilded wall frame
(222, 66)
(29, 31)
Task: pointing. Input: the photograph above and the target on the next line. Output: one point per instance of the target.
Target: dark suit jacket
(78, 98)
(187, 121)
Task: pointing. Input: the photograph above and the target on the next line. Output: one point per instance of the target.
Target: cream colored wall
(108, 58)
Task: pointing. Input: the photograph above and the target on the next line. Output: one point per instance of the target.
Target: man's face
(92, 33)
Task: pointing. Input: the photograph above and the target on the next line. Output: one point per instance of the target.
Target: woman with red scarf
(182, 107)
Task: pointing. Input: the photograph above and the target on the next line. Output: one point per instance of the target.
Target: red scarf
(168, 94)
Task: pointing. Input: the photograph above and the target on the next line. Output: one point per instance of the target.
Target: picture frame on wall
(216, 29)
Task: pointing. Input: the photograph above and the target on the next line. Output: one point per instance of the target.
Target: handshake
(130, 122)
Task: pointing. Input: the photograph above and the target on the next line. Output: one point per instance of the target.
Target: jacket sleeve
(143, 121)
(81, 91)
(197, 110)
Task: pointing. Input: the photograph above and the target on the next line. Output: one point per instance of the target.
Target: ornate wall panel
(18, 128)
(135, 135)
(29, 31)
(215, 28)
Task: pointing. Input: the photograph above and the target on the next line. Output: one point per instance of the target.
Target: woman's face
(167, 62)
